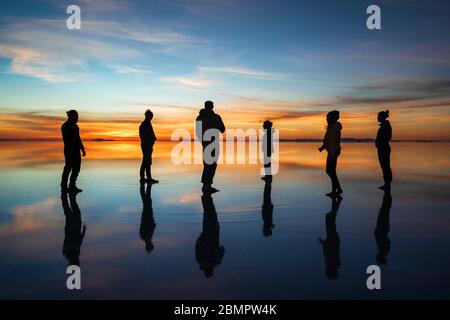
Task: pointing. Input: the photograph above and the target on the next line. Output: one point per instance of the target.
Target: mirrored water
(167, 242)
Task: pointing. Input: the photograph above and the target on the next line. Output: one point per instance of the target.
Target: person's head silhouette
(267, 124)
(332, 116)
(209, 105)
(72, 115)
(148, 115)
(383, 115)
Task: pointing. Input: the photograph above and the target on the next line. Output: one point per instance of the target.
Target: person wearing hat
(148, 139)
(72, 147)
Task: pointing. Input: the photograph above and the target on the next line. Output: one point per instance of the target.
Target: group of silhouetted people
(332, 144)
(208, 119)
(209, 252)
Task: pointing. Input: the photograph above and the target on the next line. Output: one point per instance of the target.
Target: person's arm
(325, 142)
(152, 134)
(80, 143)
(220, 124)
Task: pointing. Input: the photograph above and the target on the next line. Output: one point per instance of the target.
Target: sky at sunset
(288, 61)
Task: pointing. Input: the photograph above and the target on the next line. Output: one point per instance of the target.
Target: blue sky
(290, 60)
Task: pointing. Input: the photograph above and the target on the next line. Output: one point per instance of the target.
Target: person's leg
(384, 156)
(212, 173)
(142, 168)
(142, 171)
(380, 159)
(148, 171)
(66, 172)
(329, 170)
(148, 168)
(76, 166)
(207, 177)
(204, 173)
(388, 173)
(337, 184)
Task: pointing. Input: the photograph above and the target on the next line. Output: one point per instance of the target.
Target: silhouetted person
(384, 136)
(148, 139)
(331, 245)
(267, 208)
(148, 224)
(332, 143)
(74, 231)
(267, 149)
(209, 120)
(72, 147)
(208, 251)
(382, 229)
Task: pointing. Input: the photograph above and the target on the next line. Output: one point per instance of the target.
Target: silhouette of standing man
(384, 136)
(208, 119)
(72, 147)
(148, 139)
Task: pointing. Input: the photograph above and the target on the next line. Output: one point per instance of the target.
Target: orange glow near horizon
(406, 125)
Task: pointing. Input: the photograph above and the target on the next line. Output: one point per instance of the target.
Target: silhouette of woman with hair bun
(384, 136)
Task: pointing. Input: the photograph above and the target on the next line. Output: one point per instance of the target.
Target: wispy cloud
(188, 81)
(243, 72)
(34, 63)
(396, 91)
(45, 49)
(134, 69)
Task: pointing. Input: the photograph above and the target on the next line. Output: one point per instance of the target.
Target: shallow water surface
(170, 242)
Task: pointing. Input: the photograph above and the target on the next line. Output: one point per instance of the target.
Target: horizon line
(169, 140)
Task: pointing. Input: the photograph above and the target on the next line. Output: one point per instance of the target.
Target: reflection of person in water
(74, 231)
(148, 224)
(331, 245)
(382, 229)
(208, 251)
(267, 208)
